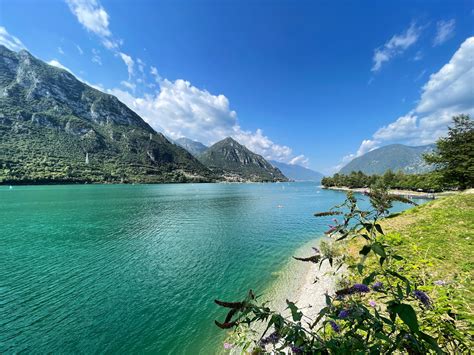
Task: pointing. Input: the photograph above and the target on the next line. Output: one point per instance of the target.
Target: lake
(135, 268)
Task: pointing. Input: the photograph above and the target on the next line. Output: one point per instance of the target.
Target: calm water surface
(135, 269)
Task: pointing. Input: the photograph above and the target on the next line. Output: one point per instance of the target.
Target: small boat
(11, 187)
(280, 206)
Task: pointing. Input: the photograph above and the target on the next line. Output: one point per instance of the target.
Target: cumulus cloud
(395, 46)
(444, 31)
(448, 92)
(10, 41)
(180, 109)
(92, 16)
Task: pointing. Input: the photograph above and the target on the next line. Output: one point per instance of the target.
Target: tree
(454, 156)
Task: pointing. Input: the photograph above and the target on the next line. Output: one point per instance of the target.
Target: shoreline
(396, 192)
(296, 282)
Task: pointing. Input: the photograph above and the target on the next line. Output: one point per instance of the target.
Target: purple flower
(360, 288)
(344, 313)
(377, 286)
(440, 282)
(334, 326)
(295, 349)
(271, 339)
(422, 297)
(372, 303)
(228, 346)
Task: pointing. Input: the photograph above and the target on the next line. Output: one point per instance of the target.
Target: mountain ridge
(297, 172)
(55, 128)
(395, 157)
(237, 163)
(194, 147)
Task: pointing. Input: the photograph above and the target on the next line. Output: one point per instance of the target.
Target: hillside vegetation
(436, 240)
(55, 128)
(236, 162)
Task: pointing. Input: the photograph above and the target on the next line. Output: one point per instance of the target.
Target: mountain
(193, 147)
(394, 157)
(55, 128)
(297, 172)
(237, 163)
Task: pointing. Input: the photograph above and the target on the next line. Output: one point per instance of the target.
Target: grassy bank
(436, 240)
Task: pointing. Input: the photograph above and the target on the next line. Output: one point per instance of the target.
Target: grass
(436, 241)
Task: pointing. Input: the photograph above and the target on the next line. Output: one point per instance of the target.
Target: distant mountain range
(396, 157)
(55, 128)
(193, 147)
(235, 162)
(297, 172)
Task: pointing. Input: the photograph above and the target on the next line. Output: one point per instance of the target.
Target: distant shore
(404, 193)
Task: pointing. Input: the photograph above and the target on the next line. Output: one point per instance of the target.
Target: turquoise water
(135, 269)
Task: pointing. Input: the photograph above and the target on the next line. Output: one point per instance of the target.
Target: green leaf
(297, 315)
(407, 315)
(368, 280)
(432, 342)
(365, 250)
(379, 228)
(379, 249)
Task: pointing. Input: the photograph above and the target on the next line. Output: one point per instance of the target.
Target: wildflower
(357, 288)
(271, 339)
(228, 346)
(295, 349)
(274, 337)
(334, 326)
(360, 288)
(372, 303)
(378, 286)
(440, 282)
(344, 313)
(422, 297)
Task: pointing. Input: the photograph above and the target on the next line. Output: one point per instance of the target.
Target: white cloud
(128, 85)
(448, 92)
(300, 160)
(395, 46)
(96, 57)
(79, 49)
(91, 15)
(57, 64)
(155, 74)
(60, 50)
(129, 62)
(10, 41)
(180, 109)
(444, 31)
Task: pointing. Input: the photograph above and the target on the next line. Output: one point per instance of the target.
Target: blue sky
(309, 82)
